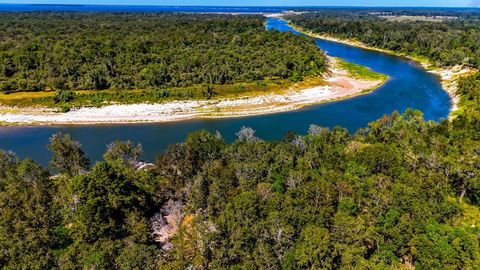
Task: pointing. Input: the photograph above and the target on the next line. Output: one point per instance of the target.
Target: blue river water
(409, 86)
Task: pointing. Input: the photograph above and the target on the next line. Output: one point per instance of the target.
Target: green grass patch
(359, 71)
(470, 217)
(96, 98)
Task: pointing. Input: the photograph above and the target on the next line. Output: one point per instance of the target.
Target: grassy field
(360, 72)
(95, 98)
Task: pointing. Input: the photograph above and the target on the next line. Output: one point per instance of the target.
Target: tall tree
(68, 156)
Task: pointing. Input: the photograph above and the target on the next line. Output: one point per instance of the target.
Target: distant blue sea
(132, 8)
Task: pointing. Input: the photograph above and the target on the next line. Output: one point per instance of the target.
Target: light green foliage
(445, 247)
(359, 71)
(315, 249)
(123, 151)
(68, 157)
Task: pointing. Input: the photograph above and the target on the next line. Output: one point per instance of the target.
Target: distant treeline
(79, 51)
(465, 13)
(445, 43)
(403, 193)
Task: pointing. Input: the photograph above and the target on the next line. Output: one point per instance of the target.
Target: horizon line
(239, 6)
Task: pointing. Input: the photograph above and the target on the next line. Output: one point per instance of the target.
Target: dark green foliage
(390, 196)
(382, 198)
(83, 51)
(394, 195)
(371, 206)
(386, 197)
(209, 92)
(105, 196)
(28, 218)
(63, 96)
(447, 43)
(108, 219)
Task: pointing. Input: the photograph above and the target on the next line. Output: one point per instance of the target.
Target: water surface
(409, 86)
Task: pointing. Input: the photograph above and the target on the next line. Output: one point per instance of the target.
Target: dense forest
(401, 193)
(94, 51)
(446, 43)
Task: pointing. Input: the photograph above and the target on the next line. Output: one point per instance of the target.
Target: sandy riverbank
(448, 76)
(338, 85)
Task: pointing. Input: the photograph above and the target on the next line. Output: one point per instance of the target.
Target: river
(409, 86)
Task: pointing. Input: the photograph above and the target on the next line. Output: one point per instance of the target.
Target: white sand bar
(338, 85)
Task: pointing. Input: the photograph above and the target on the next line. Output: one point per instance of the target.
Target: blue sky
(442, 3)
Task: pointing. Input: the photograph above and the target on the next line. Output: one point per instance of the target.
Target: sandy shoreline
(338, 85)
(448, 76)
